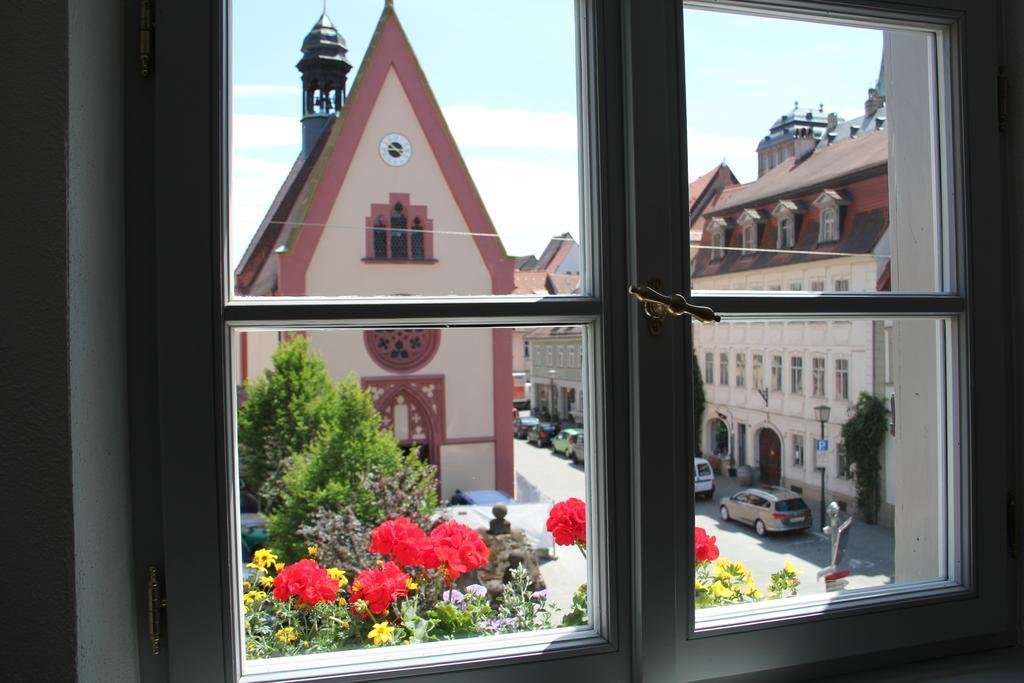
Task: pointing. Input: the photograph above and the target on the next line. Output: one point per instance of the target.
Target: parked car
(252, 524)
(542, 433)
(562, 441)
(576, 449)
(481, 497)
(767, 508)
(703, 479)
(521, 425)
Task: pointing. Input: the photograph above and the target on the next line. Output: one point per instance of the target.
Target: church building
(380, 203)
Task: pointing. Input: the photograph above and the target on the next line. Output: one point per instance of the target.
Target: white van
(703, 479)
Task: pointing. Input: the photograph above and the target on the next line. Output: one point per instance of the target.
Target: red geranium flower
(380, 586)
(454, 547)
(567, 522)
(704, 547)
(308, 581)
(398, 538)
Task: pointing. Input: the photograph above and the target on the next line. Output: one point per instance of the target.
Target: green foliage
(578, 614)
(699, 401)
(282, 415)
(328, 477)
(863, 435)
(340, 535)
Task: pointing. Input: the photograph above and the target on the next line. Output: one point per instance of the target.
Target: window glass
(370, 464)
(741, 369)
(890, 483)
(796, 375)
(813, 151)
(372, 156)
(723, 369)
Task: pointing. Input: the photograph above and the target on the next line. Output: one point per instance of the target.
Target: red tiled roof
(863, 154)
(698, 186)
(530, 282)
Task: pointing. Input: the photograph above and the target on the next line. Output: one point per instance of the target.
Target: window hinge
(1011, 524)
(1004, 99)
(154, 608)
(145, 37)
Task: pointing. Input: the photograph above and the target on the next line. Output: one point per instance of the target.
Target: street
(542, 476)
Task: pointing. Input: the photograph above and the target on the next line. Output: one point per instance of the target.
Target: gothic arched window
(399, 231)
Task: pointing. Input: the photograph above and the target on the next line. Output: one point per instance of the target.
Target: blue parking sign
(821, 445)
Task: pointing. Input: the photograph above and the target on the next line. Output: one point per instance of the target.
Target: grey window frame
(636, 71)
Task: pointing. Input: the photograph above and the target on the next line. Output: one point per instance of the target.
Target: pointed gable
(329, 219)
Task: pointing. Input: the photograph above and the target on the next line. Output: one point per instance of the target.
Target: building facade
(380, 202)
(818, 221)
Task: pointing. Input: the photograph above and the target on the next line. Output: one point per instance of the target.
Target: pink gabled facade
(347, 223)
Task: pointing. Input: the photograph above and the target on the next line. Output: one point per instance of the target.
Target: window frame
(649, 640)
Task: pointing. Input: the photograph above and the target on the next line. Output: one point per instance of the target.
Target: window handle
(658, 306)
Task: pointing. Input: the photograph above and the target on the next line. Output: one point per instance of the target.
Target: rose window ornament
(404, 350)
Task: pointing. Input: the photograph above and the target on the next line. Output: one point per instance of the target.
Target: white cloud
(474, 126)
(265, 90)
(254, 183)
(262, 131)
(705, 151)
(528, 203)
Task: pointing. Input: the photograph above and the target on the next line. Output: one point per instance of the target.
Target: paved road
(544, 476)
(869, 554)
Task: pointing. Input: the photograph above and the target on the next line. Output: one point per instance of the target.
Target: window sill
(418, 261)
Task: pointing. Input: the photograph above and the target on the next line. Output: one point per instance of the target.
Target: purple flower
(476, 589)
(453, 596)
(539, 595)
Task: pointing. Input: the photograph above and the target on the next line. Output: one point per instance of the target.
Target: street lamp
(821, 413)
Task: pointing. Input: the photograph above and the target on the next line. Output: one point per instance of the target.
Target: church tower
(324, 67)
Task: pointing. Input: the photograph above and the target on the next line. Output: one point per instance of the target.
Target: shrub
(863, 435)
(283, 413)
(341, 536)
(329, 476)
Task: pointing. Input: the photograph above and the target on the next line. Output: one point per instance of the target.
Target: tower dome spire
(324, 67)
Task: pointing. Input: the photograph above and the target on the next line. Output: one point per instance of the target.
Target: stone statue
(834, 531)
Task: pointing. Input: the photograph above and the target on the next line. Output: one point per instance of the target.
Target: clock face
(395, 149)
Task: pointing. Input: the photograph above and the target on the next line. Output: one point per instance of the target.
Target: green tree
(863, 435)
(329, 476)
(284, 411)
(699, 402)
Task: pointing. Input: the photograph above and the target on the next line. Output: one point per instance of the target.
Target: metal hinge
(1011, 524)
(1004, 99)
(146, 26)
(154, 609)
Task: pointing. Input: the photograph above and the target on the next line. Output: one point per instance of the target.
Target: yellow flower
(380, 562)
(381, 633)
(246, 584)
(411, 585)
(278, 566)
(719, 589)
(789, 568)
(287, 635)
(263, 558)
(311, 550)
(266, 582)
(337, 575)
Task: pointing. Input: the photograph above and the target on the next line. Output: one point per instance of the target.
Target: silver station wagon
(767, 508)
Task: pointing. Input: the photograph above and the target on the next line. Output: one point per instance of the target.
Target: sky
(504, 74)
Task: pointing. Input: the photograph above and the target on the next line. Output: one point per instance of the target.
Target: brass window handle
(657, 305)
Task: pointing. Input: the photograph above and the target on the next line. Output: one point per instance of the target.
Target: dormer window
(829, 225)
(750, 221)
(830, 205)
(787, 214)
(717, 229)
